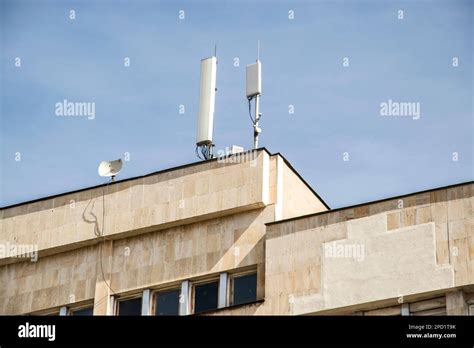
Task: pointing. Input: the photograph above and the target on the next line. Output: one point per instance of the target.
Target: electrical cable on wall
(106, 169)
(103, 236)
(98, 233)
(250, 110)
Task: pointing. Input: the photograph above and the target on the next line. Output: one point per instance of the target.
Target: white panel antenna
(207, 98)
(254, 79)
(254, 91)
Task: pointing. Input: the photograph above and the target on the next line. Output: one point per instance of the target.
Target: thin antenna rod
(258, 50)
(215, 50)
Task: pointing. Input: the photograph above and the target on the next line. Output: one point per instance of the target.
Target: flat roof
(165, 171)
(370, 202)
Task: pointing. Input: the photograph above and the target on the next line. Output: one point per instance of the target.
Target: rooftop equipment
(254, 91)
(207, 98)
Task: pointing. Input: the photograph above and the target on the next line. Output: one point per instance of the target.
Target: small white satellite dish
(110, 168)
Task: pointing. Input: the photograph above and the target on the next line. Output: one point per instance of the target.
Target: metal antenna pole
(256, 128)
(211, 147)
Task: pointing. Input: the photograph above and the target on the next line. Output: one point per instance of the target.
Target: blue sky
(337, 108)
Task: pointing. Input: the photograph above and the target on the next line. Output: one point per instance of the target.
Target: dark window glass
(83, 312)
(205, 297)
(245, 289)
(167, 302)
(130, 307)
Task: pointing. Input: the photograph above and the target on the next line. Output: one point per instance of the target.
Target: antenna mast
(254, 91)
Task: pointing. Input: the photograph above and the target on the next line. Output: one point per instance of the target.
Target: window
(205, 296)
(471, 309)
(167, 302)
(83, 311)
(130, 306)
(244, 288)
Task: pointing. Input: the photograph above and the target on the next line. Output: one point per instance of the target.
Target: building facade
(239, 235)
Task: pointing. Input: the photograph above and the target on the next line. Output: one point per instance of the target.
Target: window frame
(119, 299)
(155, 292)
(231, 285)
(72, 309)
(194, 284)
